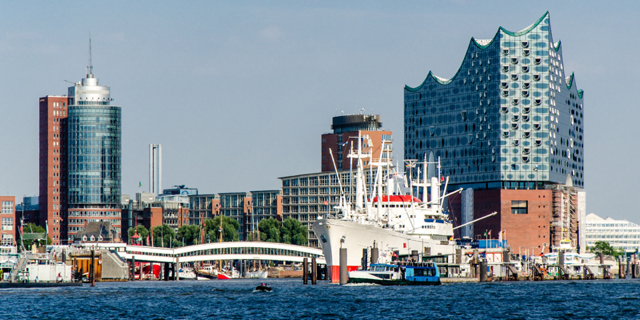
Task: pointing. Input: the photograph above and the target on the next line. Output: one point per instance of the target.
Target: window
(7, 223)
(526, 85)
(536, 77)
(519, 207)
(7, 239)
(537, 61)
(514, 77)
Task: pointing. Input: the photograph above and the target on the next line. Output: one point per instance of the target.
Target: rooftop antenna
(90, 66)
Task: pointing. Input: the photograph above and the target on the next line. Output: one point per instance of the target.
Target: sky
(239, 92)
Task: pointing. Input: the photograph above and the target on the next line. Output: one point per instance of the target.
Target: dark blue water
(235, 299)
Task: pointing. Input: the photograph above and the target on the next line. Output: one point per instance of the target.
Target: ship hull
(335, 233)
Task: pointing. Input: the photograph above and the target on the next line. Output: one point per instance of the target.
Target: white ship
(397, 223)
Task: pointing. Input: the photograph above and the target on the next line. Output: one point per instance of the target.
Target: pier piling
(343, 265)
(314, 271)
(483, 270)
(305, 270)
(93, 268)
(364, 259)
(133, 268)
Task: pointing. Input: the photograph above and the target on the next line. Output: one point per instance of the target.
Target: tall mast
(90, 65)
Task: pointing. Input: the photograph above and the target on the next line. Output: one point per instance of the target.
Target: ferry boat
(397, 223)
(421, 273)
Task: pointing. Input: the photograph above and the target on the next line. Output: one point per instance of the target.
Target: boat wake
(361, 284)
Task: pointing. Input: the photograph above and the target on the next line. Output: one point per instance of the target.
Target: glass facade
(509, 114)
(94, 153)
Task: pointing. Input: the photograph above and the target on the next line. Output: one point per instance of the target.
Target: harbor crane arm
(476, 220)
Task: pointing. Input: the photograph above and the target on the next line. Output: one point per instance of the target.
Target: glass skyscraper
(94, 155)
(511, 117)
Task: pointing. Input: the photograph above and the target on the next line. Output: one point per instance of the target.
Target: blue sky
(238, 93)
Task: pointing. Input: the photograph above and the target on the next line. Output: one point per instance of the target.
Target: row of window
(7, 207)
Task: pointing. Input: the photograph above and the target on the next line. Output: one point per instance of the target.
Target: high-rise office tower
(94, 127)
(155, 169)
(510, 119)
(80, 156)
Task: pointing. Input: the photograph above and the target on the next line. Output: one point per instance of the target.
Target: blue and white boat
(401, 273)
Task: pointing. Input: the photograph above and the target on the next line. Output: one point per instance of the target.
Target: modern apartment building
(509, 120)
(618, 233)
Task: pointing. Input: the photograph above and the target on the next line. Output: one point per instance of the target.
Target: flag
(344, 144)
(441, 178)
(139, 184)
(485, 233)
(404, 245)
(489, 233)
(326, 203)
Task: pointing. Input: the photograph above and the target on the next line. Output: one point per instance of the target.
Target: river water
(290, 299)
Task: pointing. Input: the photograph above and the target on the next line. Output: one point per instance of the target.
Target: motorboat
(263, 287)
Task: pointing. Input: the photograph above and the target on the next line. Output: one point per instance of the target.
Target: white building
(618, 233)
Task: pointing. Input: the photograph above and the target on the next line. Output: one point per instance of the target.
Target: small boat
(186, 274)
(207, 271)
(227, 274)
(401, 273)
(263, 287)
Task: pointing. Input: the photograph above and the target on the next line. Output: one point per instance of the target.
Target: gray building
(305, 197)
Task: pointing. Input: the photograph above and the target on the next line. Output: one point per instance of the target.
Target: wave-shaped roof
(483, 44)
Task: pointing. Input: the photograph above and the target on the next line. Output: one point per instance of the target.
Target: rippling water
(235, 299)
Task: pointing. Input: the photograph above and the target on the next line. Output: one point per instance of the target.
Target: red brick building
(52, 166)
(9, 226)
(524, 217)
(346, 130)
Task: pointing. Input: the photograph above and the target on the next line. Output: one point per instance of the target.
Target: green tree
(163, 235)
(269, 230)
(32, 228)
(229, 229)
(293, 232)
(142, 233)
(189, 234)
(605, 248)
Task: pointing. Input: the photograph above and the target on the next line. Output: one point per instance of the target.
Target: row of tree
(291, 231)
(164, 236)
